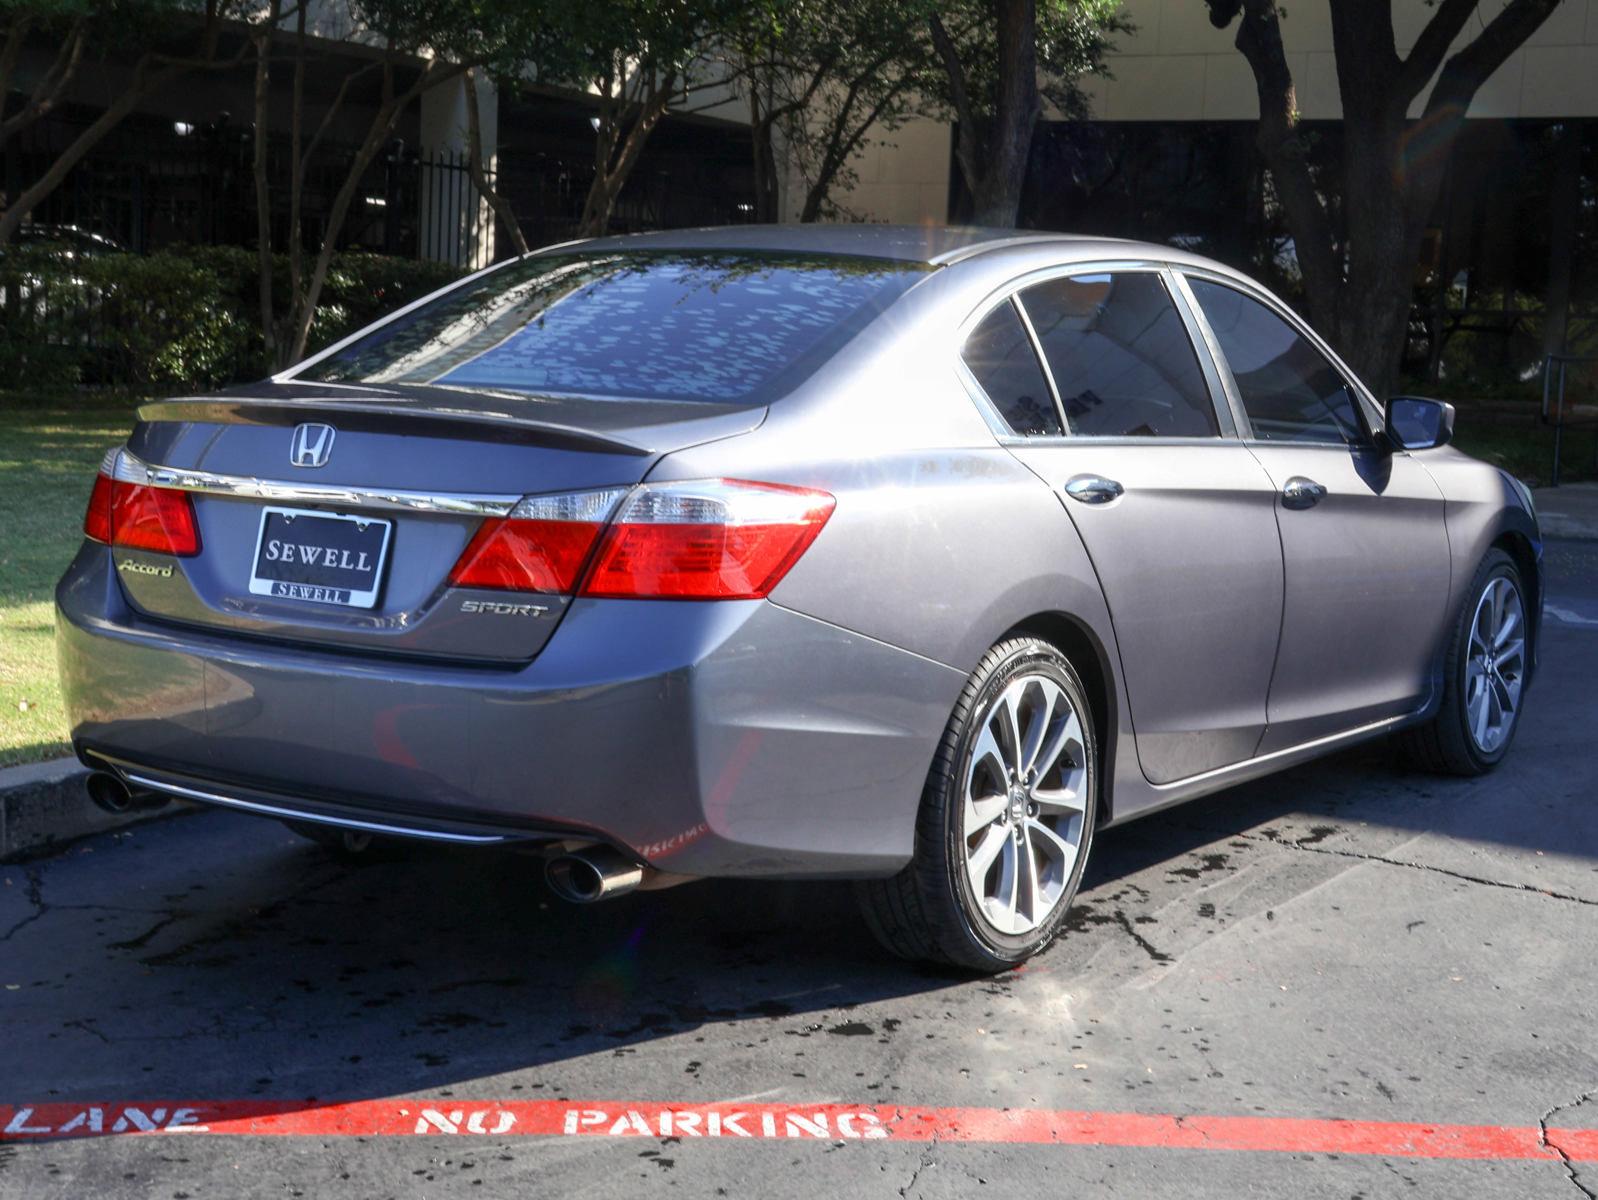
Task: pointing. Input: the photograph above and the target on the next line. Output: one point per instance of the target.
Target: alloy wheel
(1023, 804)
(1495, 667)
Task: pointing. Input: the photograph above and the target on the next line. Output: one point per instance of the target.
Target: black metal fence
(158, 183)
(1559, 408)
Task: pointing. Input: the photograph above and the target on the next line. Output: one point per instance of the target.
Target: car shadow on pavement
(219, 956)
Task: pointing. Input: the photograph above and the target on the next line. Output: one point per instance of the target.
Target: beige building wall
(1179, 67)
(904, 178)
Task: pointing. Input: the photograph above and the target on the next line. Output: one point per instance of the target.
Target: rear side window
(999, 353)
(1290, 390)
(723, 327)
(1121, 357)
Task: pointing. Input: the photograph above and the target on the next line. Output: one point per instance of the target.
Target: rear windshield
(724, 328)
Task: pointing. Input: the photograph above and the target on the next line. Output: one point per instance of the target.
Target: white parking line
(1566, 617)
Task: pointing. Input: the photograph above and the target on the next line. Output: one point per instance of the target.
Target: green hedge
(184, 319)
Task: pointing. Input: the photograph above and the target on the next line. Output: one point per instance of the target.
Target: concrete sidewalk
(1570, 511)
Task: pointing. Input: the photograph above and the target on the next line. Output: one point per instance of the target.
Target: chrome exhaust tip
(111, 794)
(594, 873)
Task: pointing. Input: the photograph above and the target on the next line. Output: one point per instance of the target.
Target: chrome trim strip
(473, 504)
(1310, 748)
(1018, 306)
(294, 814)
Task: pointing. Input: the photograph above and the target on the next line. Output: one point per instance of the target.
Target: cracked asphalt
(1346, 940)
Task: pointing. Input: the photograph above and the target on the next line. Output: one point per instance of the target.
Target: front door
(1365, 548)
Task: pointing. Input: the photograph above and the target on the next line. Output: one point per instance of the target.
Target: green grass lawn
(48, 457)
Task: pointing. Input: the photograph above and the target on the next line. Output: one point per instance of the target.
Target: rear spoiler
(369, 416)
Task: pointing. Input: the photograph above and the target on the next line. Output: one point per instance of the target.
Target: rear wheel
(347, 845)
(1484, 677)
(1006, 819)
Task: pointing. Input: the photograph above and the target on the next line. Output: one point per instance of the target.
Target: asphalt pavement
(1348, 980)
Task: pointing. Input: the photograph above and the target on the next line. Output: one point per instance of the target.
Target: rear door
(1175, 513)
(1365, 547)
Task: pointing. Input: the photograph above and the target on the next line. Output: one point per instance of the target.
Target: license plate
(324, 558)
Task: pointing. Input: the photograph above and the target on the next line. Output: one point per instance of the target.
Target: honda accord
(906, 556)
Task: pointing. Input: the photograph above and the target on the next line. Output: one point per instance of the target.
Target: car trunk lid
(407, 476)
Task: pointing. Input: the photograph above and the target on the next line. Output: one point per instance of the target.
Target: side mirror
(1415, 423)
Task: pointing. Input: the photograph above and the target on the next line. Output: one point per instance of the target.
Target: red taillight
(720, 539)
(152, 518)
(526, 556)
(135, 515)
(97, 521)
(541, 547)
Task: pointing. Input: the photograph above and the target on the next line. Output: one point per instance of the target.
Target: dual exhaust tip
(591, 874)
(111, 794)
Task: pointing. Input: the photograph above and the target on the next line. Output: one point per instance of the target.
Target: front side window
(1000, 355)
(1120, 356)
(719, 327)
(1289, 389)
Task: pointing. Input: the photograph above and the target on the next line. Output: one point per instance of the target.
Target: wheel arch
(1091, 660)
(1518, 546)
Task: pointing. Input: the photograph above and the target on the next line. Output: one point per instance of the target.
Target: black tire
(928, 912)
(1444, 744)
(346, 845)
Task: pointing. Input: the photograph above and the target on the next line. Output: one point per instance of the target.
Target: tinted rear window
(719, 327)
(999, 353)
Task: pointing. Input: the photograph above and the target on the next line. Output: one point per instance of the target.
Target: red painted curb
(552, 1118)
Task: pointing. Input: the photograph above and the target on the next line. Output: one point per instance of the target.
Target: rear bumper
(733, 738)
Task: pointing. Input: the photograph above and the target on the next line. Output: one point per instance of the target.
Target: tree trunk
(991, 150)
(263, 190)
(764, 156)
(474, 160)
(1359, 292)
(613, 167)
(996, 196)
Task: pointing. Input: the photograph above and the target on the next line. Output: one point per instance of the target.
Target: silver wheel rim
(1495, 671)
(1024, 798)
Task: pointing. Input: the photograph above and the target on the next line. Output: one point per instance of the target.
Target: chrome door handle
(1092, 489)
(1302, 493)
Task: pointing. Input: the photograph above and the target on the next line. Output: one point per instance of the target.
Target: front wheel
(1006, 819)
(1484, 677)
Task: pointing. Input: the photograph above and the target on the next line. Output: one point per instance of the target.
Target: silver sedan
(905, 556)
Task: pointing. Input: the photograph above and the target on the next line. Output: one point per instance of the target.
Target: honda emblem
(311, 445)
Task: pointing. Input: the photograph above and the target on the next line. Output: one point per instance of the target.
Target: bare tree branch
(1447, 22)
(967, 146)
(152, 73)
(1467, 70)
(47, 93)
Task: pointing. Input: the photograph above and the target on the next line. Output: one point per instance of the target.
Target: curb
(45, 805)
